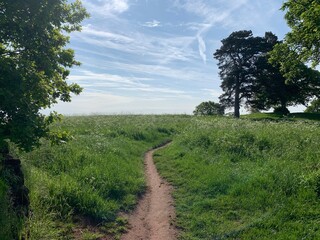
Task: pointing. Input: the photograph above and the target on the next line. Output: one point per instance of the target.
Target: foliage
(34, 65)
(303, 19)
(237, 57)
(248, 77)
(314, 106)
(301, 44)
(244, 179)
(271, 88)
(209, 108)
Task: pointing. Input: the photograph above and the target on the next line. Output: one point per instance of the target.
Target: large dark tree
(248, 77)
(237, 57)
(34, 65)
(272, 88)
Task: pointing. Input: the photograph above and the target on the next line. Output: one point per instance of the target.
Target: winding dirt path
(154, 215)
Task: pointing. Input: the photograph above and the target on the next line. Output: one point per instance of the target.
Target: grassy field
(233, 179)
(241, 179)
(96, 175)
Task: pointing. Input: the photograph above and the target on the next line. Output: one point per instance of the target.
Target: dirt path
(154, 215)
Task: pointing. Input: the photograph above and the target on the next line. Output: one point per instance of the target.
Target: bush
(314, 107)
(209, 108)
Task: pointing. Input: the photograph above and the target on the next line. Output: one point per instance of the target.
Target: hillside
(233, 179)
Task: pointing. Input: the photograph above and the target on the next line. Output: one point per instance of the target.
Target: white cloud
(213, 93)
(152, 24)
(165, 72)
(88, 30)
(202, 49)
(211, 13)
(107, 103)
(99, 81)
(107, 8)
(162, 49)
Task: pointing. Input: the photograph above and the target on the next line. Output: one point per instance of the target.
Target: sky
(156, 56)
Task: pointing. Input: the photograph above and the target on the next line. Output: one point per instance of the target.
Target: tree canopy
(314, 106)
(301, 44)
(236, 60)
(272, 88)
(248, 77)
(209, 108)
(303, 18)
(34, 65)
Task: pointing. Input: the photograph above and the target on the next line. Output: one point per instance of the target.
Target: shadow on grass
(279, 117)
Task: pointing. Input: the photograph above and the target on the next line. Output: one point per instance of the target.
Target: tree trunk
(19, 193)
(237, 100)
(284, 109)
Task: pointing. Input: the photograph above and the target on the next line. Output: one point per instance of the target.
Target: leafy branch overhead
(35, 64)
(301, 44)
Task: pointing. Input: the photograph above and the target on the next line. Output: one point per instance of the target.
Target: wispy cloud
(97, 81)
(89, 31)
(159, 48)
(108, 103)
(152, 24)
(148, 56)
(153, 71)
(107, 8)
(214, 93)
(202, 49)
(211, 14)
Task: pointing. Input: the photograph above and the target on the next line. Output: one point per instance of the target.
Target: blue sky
(156, 56)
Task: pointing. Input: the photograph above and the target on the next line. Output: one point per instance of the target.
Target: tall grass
(242, 179)
(233, 179)
(11, 223)
(96, 175)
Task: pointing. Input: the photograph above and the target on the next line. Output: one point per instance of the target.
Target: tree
(249, 78)
(302, 44)
(272, 89)
(236, 57)
(34, 66)
(209, 108)
(314, 106)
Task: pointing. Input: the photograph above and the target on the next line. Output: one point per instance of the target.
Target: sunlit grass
(233, 179)
(97, 174)
(240, 179)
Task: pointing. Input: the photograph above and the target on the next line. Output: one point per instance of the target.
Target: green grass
(279, 117)
(97, 174)
(233, 179)
(242, 179)
(11, 223)
(5, 213)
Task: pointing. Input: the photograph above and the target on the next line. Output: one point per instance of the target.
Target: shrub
(209, 108)
(314, 107)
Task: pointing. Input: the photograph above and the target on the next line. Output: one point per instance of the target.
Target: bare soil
(154, 216)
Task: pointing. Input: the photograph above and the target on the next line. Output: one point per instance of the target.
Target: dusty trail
(154, 215)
